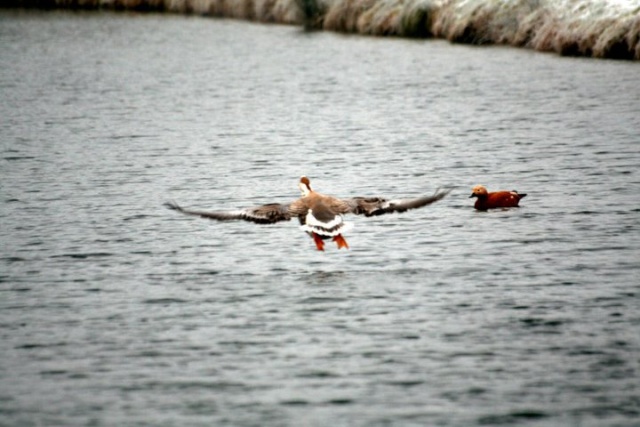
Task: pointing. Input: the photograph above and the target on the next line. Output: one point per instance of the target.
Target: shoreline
(607, 29)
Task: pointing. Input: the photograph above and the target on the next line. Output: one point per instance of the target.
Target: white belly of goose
(331, 228)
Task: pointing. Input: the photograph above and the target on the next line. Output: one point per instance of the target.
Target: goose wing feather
(373, 206)
(265, 214)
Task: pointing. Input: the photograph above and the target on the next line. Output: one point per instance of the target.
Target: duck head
(479, 191)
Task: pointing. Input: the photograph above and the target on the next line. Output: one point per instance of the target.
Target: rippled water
(116, 311)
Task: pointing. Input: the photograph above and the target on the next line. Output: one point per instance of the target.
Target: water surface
(116, 311)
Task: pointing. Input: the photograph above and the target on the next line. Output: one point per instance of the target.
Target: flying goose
(321, 216)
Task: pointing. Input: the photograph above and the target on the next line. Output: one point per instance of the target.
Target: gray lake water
(115, 311)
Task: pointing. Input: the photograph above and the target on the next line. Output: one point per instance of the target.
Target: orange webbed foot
(341, 242)
(318, 241)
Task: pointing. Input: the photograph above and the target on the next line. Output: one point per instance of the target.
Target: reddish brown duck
(496, 199)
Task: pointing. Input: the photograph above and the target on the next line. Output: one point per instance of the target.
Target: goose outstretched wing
(265, 214)
(373, 206)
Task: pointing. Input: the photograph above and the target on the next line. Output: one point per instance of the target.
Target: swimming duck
(496, 199)
(321, 216)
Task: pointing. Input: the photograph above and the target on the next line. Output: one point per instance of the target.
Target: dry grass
(598, 28)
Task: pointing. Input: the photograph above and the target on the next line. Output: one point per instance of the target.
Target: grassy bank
(593, 28)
